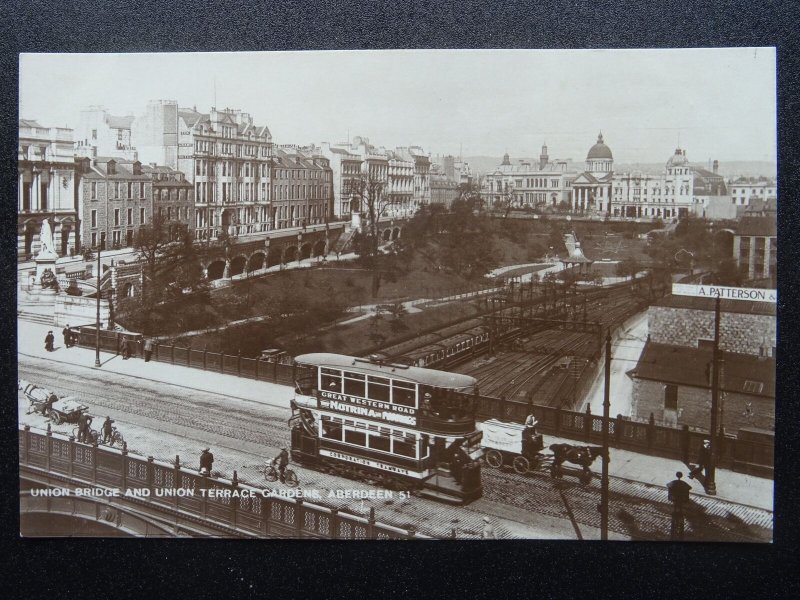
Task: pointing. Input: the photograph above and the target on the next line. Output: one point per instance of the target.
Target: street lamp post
(606, 411)
(97, 323)
(710, 481)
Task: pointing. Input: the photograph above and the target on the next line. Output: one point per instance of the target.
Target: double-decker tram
(400, 426)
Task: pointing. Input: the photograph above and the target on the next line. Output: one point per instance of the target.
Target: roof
(725, 305)
(440, 379)
(190, 117)
(680, 365)
(758, 226)
(599, 150)
(29, 123)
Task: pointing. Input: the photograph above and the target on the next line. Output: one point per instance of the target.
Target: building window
(130, 216)
(116, 237)
(141, 216)
(670, 397)
(753, 387)
(94, 240)
(93, 188)
(94, 219)
(130, 189)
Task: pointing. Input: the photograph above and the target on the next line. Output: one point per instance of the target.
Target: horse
(583, 456)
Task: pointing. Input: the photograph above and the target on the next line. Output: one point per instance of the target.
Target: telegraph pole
(606, 411)
(711, 484)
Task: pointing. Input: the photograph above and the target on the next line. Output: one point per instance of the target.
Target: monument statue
(46, 239)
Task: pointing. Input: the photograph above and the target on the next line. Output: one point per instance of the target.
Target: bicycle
(92, 436)
(271, 474)
(116, 438)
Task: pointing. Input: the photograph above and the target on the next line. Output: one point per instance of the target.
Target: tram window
(331, 383)
(378, 389)
(404, 446)
(359, 438)
(380, 442)
(404, 394)
(354, 384)
(331, 430)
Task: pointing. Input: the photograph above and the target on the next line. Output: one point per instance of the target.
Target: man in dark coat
(108, 430)
(206, 461)
(48, 341)
(84, 424)
(67, 336)
(678, 493)
(282, 461)
(148, 349)
(703, 460)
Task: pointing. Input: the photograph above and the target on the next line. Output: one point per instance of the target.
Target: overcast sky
(715, 103)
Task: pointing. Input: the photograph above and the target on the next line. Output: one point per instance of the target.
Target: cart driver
(529, 438)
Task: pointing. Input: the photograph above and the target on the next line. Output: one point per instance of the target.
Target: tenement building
(346, 169)
(173, 200)
(115, 198)
(746, 190)
(400, 202)
(672, 380)
(443, 189)
(46, 188)
(755, 246)
(302, 189)
(224, 154)
(422, 170)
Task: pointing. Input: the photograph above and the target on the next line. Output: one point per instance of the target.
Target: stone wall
(739, 332)
(694, 407)
(77, 310)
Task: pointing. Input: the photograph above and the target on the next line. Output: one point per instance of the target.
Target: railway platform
(653, 470)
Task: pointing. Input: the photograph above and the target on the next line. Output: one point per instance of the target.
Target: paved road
(163, 420)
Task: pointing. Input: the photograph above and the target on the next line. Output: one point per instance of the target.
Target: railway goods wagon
(399, 426)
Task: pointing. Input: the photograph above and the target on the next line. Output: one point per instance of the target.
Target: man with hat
(206, 461)
(281, 462)
(678, 493)
(48, 341)
(67, 336)
(108, 431)
(703, 458)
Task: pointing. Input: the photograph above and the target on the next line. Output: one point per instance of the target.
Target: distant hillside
(746, 168)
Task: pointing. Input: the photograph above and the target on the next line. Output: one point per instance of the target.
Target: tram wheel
(494, 459)
(521, 465)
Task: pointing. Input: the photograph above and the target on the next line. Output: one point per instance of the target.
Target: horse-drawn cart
(39, 399)
(67, 410)
(519, 446)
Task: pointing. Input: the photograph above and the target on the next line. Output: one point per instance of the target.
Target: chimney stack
(716, 167)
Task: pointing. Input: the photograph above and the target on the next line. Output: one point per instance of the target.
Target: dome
(506, 159)
(599, 151)
(678, 159)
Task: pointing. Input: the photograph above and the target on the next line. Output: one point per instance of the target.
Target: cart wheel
(494, 459)
(270, 474)
(521, 465)
(291, 478)
(55, 417)
(117, 439)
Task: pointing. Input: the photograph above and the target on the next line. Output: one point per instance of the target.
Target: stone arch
(290, 254)
(319, 248)
(395, 233)
(305, 250)
(386, 235)
(237, 265)
(256, 262)
(273, 257)
(216, 270)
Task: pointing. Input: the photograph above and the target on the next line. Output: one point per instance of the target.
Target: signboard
(364, 407)
(725, 293)
(372, 463)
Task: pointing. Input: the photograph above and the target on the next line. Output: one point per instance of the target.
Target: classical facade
(100, 133)
(115, 199)
(47, 188)
(591, 190)
(745, 190)
(422, 169)
(374, 169)
(547, 183)
(400, 189)
(224, 154)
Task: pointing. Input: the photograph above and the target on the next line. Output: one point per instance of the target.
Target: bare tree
(373, 201)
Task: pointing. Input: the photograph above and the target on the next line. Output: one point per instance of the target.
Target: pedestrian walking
(678, 493)
(148, 349)
(488, 530)
(703, 460)
(48, 341)
(126, 349)
(206, 461)
(67, 333)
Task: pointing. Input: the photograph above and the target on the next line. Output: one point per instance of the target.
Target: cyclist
(281, 462)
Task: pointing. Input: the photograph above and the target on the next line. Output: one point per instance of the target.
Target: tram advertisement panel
(367, 408)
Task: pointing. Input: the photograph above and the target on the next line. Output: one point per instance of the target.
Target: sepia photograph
(398, 294)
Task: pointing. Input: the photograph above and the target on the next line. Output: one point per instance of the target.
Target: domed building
(591, 190)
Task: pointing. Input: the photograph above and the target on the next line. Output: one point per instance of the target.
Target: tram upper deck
(425, 399)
